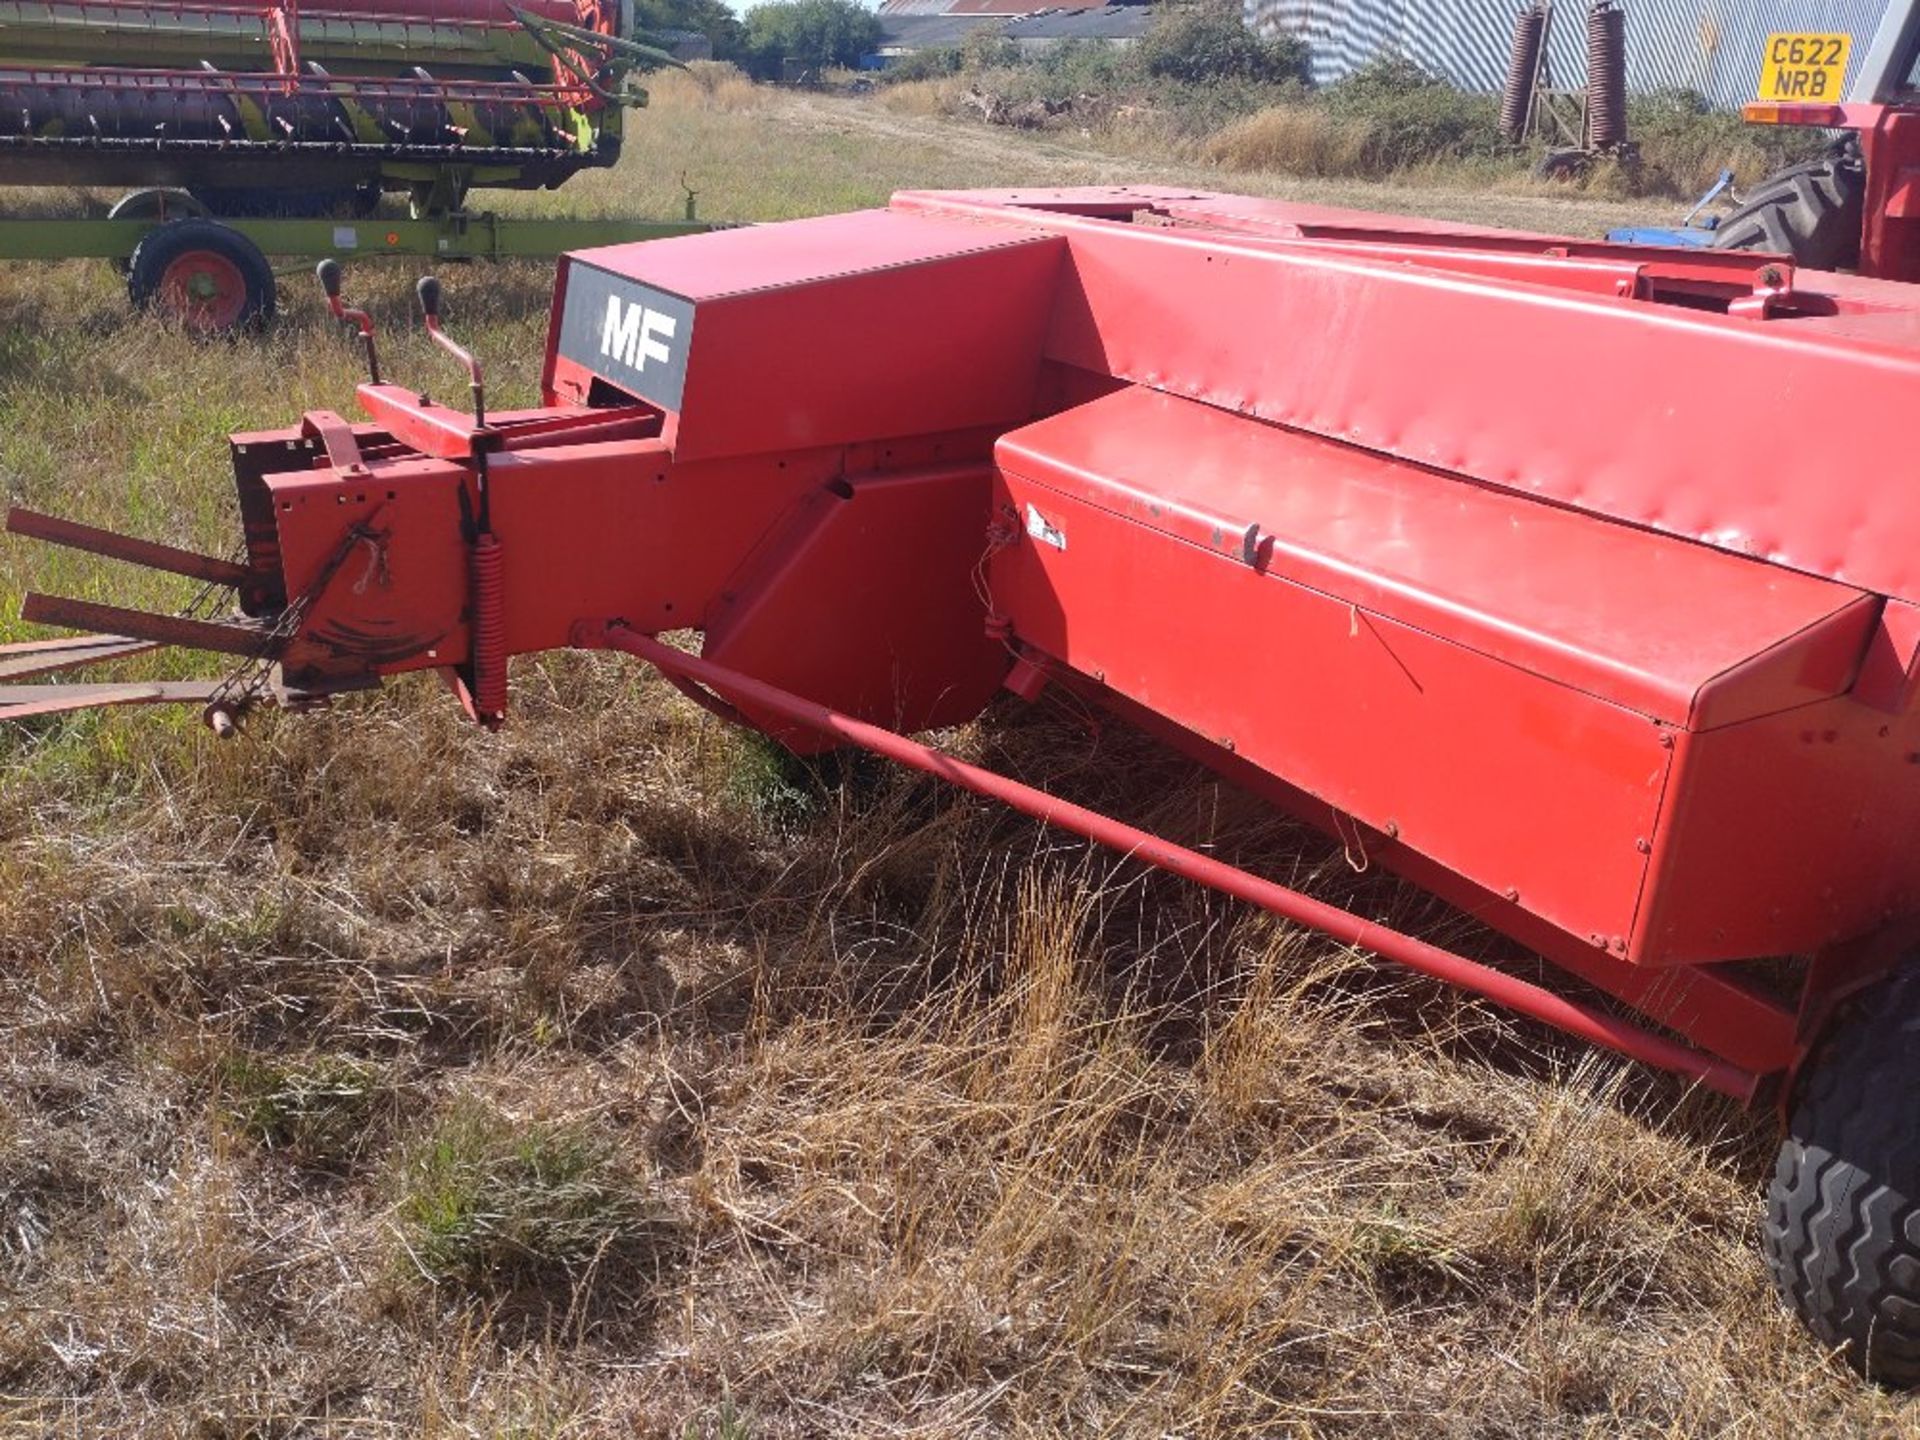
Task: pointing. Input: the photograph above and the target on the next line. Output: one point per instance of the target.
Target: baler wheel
(1811, 212)
(1842, 1232)
(209, 277)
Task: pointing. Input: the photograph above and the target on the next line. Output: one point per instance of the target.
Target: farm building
(1712, 46)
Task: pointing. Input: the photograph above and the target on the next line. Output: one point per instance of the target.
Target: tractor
(1856, 207)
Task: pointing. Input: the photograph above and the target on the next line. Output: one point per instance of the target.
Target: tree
(712, 18)
(1210, 41)
(812, 34)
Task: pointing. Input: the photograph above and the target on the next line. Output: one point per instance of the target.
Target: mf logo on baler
(634, 334)
(631, 334)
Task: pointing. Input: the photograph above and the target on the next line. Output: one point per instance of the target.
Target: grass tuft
(494, 1205)
(316, 1109)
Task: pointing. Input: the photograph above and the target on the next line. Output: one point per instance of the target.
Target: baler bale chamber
(1298, 491)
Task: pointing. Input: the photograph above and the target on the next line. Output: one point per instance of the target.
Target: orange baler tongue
(123, 632)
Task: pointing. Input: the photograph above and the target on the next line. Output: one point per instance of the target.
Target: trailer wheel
(159, 204)
(1842, 1233)
(209, 277)
(1811, 211)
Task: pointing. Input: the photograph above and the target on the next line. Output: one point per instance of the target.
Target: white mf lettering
(634, 334)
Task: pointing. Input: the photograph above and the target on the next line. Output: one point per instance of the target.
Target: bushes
(1296, 139)
(1200, 83)
(1389, 116)
(1206, 43)
(1685, 143)
(704, 85)
(1412, 117)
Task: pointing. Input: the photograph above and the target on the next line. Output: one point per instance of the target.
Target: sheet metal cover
(634, 335)
(800, 252)
(1641, 617)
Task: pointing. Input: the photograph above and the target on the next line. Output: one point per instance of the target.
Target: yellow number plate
(1805, 67)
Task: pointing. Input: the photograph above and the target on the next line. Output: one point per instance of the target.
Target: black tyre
(161, 203)
(1842, 1232)
(1809, 211)
(1563, 163)
(210, 278)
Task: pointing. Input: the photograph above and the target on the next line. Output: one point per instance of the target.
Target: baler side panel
(390, 601)
(660, 541)
(1473, 377)
(1467, 759)
(1786, 834)
(870, 604)
(1584, 602)
(851, 329)
(1478, 674)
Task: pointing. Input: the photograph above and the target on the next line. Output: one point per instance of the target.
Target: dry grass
(374, 1076)
(705, 85)
(923, 98)
(1293, 139)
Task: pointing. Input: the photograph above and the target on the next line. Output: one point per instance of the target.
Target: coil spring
(489, 630)
(1606, 76)
(1523, 63)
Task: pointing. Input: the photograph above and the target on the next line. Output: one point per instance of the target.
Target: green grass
(317, 1109)
(494, 1204)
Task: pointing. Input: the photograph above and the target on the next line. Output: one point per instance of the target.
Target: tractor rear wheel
(206, 275)
(1842, 1232)
(1811, 212)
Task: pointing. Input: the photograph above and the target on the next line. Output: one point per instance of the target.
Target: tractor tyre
(1565, 162)
(1810, 212)
(1842, 1232)
(208, 276)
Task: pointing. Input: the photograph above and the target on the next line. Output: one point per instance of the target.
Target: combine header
(1635, 681)
(285, 112)
(309, 100)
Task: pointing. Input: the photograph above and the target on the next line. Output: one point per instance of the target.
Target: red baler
(1567, 579)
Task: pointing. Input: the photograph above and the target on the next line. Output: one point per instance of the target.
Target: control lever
(429, 292)
(330, 275)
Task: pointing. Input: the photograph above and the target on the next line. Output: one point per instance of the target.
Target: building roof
(1108, 22)
(928, 31)
(983, 7)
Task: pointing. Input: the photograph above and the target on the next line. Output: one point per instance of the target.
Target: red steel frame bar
(1515, 994)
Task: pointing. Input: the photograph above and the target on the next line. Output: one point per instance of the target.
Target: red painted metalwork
(1634, 679)
(206, 290)
(753, 695)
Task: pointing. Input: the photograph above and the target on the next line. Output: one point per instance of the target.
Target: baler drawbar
(1568, 580)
